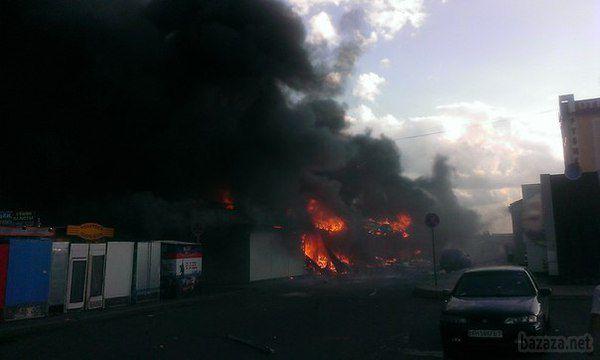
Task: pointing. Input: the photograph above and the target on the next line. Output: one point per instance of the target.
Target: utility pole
(434, 262)
(432, 220)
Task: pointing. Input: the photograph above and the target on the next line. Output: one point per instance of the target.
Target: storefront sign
(18, 218)
(26, 231)
(90, 231)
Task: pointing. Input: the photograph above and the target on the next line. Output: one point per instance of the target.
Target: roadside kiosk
(58, 276)
(146, 284)
(25, 258)
(85, 280)
(119, 273)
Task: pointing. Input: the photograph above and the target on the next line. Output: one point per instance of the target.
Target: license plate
(485, 334)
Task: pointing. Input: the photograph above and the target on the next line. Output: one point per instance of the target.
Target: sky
(477, 81)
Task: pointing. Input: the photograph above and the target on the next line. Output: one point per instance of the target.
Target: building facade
(571, 219)
(580, 128)
(532, 226)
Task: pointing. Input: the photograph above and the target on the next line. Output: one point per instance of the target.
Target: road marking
(428, 353)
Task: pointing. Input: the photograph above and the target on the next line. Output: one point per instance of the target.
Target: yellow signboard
(90, 231)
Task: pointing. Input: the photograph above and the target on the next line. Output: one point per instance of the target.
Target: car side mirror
(446, 294)
(545, 292)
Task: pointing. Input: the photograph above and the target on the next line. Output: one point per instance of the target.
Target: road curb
(10, 330)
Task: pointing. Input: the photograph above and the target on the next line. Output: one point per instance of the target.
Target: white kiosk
(119, 272)
(95, 275)
(147, 271)
(58, 276)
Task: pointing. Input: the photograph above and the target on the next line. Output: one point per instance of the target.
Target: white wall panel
(119, 271)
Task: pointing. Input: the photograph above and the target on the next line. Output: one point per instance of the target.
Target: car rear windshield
(494, 284)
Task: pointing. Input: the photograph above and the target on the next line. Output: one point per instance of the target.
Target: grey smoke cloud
(132, 114)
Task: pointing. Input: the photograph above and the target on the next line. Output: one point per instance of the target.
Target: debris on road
(262, 348)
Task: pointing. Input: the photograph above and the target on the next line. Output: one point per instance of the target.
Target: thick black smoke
(131, 114)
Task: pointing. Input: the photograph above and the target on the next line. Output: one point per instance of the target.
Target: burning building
(138, 114)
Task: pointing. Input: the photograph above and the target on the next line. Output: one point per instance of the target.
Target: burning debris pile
(326, 250)
(133, 113)
(385, 226)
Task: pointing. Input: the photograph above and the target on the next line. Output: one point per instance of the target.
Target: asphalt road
(355, 318)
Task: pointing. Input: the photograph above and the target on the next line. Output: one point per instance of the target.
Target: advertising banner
(181, 265)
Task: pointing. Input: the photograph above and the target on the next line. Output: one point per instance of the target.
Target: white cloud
(385, 17)
(385, 62)
(362, 118)
(303, 7)
(367, 86)
(333, 79)
(493, 151)
(321, 30)
(389, 16)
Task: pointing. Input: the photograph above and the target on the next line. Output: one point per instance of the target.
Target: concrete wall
(273, 254)
(548, 214)
(533, 228)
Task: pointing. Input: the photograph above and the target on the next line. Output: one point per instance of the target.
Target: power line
(421, 135)
(443, 131)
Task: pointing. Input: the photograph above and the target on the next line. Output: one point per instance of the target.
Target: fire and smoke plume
(131, 113)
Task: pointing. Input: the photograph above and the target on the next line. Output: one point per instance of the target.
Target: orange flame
(386, 261)
(398, 225)
(312, 246)
(344, 259)
(227, 200)
(323, 218)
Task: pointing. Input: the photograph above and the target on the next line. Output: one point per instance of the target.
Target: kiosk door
(58, 276)
(76, 280)
(95, 275)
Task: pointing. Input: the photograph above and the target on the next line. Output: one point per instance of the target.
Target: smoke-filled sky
(482, 77)
(133, 113)
(130, 113)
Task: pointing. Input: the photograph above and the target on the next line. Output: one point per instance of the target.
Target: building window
(574, 141)
(576, 151)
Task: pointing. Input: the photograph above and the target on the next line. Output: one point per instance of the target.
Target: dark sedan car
(490, 306)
